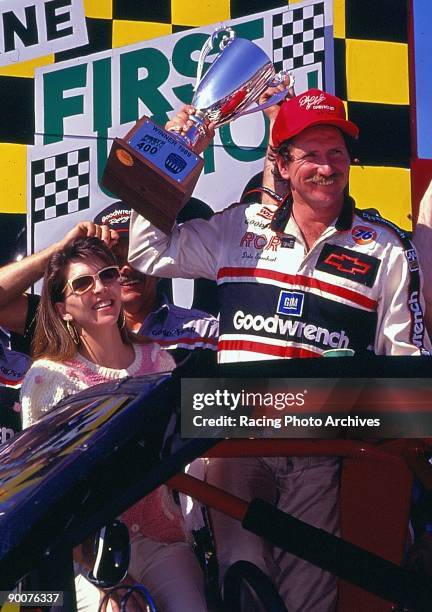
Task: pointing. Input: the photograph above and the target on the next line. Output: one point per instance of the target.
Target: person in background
(81, 340)
(291, 289)
(147, 310)
(13, 366)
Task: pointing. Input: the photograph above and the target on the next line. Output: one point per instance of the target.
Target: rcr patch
(260, 241)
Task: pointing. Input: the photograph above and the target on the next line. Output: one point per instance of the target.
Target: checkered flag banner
(60, 184)
(298, 37)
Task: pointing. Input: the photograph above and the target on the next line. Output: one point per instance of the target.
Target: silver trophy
(155, 171)
(234, 81)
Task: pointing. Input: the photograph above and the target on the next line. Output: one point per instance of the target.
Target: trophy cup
(155, 171)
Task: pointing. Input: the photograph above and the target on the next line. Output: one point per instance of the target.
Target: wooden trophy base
(153, 172)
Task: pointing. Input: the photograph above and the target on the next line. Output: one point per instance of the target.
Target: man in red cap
(295, 279)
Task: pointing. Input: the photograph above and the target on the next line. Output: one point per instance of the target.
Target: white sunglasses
(86, 282)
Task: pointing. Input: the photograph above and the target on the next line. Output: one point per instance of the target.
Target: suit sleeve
(192, 250)
(423, 243)
(401, 328)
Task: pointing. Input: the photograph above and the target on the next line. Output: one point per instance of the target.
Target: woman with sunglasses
(81, 340)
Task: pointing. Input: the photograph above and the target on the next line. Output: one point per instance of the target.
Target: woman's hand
(88, 229)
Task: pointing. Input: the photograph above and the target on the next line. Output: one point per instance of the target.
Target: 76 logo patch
(363, 234)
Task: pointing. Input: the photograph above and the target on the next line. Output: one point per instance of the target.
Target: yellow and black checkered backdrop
(371, 76)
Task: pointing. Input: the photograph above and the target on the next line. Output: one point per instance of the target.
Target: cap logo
(116, 217)
(314, 102)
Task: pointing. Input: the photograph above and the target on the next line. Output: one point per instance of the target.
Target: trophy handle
(208, 46)
(275, 98)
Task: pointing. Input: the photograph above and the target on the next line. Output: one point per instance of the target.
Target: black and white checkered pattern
(298, 37)
(60, 184)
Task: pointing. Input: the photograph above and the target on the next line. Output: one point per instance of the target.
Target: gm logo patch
(290, 303)
(346, 263)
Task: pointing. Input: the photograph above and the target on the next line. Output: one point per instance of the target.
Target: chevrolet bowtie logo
(346, 263)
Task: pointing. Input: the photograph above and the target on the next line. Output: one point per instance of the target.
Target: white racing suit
(357, 287)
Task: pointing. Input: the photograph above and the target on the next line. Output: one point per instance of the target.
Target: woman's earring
(72, 331)
(122, 320)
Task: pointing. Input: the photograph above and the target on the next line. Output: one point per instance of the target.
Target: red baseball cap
(313, 107)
